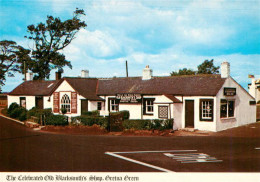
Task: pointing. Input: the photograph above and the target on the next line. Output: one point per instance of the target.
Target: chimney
(225, 69)
(84, 73)
(29, 76)
(58, 74)
(252, 87)
(147, 73)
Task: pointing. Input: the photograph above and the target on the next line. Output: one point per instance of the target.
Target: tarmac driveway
(22, 149)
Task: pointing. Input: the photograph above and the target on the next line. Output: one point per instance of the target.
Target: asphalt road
(22, 149)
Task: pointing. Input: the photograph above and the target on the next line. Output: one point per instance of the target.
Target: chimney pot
(29, 76)
(84, 73)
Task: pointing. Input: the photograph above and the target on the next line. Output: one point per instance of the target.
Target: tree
(11, 59)
(49, 39)
(207, 67)
(183, 71)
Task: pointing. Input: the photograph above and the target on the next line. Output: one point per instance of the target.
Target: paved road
(22, 149)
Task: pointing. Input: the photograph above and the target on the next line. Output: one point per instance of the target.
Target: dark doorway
(84, 105)
(39, 102)
(189, 113)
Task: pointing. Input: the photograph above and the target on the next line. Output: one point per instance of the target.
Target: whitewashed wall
(244, 113)
(63, 89)
(177, 109)
(200, 125)
(135, 109)
(30, 100)
(47, 102)
(11, 99)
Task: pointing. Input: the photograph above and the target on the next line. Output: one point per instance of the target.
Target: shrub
(56, 120)
(140, 124)
(90, 113)
(23, 116)
(91, 120)
(17, 112)
(144, 124)
(13, 106)
(39, 113)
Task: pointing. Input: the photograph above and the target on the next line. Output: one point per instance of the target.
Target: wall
(135, 109)
(63, 89)
(30, 100)
(200, 125)
(244, 113)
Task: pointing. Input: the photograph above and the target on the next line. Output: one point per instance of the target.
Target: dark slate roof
(91, 88)
(188, 85)
(84, 86)
(36, 88)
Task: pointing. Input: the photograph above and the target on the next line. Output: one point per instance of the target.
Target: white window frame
(150, 105)
(227, 105)
(114, 107)
(206, 110)
(66, 103)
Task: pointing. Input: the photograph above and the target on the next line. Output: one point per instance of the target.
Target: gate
(115, 122)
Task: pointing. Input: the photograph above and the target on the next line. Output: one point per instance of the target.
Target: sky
(167, 35)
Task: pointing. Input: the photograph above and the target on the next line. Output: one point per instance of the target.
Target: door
(84, 105)
(189, 113)
(39, 102)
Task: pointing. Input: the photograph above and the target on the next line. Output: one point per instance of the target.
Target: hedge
(48, 117)
(16, 111)
(146, 124)
(90, 113)
(91, 120)
(125, 114)
(56, 120)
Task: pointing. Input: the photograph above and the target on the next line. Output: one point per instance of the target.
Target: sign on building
(229, 91)
(129, 98)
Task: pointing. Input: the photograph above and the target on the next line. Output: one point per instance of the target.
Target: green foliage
(39, 113)
(63, 111)
(90, 113)
(12, 106)
(183, 71)
(12, 57)
(56, 120)
(207, 67)
(19, 113)
(146, 124)
(123, 114)
(91, 120)
(49, 39)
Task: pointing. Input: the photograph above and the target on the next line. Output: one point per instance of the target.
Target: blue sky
(165, 34)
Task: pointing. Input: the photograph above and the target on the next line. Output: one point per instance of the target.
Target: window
(227, 108)
(148, 106)
(23, 102)
(65, 103)
(99, 106)
(163, 112)
(113, 105)
(206, 109)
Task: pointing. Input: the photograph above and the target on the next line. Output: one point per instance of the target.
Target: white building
(205, 102)
(254, 88)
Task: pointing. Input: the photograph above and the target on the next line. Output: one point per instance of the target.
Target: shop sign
(229, 91)
(129, 98)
